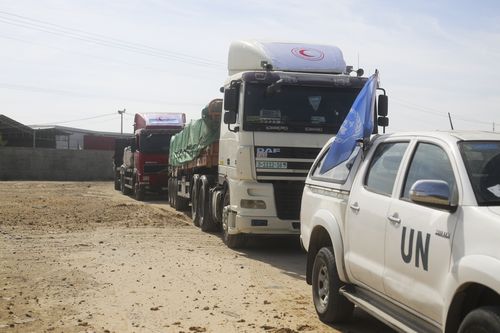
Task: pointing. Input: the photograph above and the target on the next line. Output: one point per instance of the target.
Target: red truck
(145, 161)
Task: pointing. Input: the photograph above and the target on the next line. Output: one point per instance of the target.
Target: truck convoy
(243, 169)
(408, 229)
(145, 161)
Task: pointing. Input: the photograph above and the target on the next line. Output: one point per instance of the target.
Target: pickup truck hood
(495, 210)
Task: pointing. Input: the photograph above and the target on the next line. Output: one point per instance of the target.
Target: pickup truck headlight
(252, 204)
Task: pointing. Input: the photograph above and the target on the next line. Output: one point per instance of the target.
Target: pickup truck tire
(481, 320)
(331, 306)
(231, 241)
(195, 215)
(207, 223)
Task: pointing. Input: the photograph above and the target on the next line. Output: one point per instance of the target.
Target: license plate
(271, 165)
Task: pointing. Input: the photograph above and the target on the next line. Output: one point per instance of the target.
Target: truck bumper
(262, 225)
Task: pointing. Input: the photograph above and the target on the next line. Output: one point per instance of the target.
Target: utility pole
(121, 112)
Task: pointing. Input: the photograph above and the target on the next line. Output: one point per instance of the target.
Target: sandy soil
(82, 257)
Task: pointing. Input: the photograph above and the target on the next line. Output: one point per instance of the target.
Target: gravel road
(82, 257)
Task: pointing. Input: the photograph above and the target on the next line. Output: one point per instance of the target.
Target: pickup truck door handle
(394, 218)
(355, 207)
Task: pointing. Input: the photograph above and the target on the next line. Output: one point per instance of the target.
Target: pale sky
(77, 62)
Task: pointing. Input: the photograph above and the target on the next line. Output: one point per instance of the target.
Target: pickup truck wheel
(231, 241)
(206, 221)
(482, 320)
(331, 306)
(195, 215)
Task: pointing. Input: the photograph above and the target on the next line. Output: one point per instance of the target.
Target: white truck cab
(408, 229)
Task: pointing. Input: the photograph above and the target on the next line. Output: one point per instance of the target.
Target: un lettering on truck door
(421, 247)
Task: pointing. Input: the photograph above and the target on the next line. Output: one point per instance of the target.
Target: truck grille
(155, 168)
(288, 196)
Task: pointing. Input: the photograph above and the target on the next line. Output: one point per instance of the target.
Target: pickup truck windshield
(482, 161)
(154, 143)
(297, 109)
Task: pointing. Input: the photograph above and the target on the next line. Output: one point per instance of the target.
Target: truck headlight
(252, 204)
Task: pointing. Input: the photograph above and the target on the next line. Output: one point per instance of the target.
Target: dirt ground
(82, 257)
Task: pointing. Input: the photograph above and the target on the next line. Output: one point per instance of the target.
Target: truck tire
(481, 320)
(207, 223)
(117, 182)
(231, 241)
(181, 204)
(331, 306)
(138, 192)
(195, 215)
(125, 190)
(171, 192)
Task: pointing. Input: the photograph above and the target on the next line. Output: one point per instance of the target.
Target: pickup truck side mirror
(432, 193)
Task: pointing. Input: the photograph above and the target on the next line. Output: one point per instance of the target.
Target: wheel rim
(323, 287)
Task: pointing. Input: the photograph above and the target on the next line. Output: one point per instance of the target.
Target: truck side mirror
(382, 110)
(383, 105)
(231, 99)
(229, 117)
(383, 121)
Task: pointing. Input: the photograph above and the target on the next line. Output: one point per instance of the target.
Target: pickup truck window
(482, 161)
(429, 162)
(384, 167)
(338, 174)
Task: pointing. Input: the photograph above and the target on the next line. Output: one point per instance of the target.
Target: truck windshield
(482, 161)
(154, 143)
(298, 109)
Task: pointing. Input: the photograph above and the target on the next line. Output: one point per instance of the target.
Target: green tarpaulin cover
(186, 145)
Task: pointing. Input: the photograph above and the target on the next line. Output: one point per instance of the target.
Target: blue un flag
(358, 125)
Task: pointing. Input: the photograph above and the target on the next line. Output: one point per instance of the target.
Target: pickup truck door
(419, 238)
(366, 215)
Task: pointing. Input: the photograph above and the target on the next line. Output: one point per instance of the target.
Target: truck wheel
(194, 201)
(171, 192)
(138, 192)
(331, 306)
(482, 320)
(125, 190)
(206, 221)
(231, 241)
(181, 203)
(117, 183)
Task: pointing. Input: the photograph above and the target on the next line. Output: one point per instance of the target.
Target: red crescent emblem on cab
(308, 53)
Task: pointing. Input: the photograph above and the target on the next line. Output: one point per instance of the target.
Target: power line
(81, 119)
(115, 61)
(42, 26)
(437, 112)
(88, 96)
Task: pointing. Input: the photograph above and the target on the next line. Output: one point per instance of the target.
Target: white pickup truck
(408, 229)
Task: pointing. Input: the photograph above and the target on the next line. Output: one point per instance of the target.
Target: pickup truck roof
(450, 135)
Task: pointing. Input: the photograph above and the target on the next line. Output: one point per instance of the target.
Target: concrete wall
(55, 164)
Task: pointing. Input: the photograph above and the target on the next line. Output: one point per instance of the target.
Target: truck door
(418, 240)
(366, 215)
